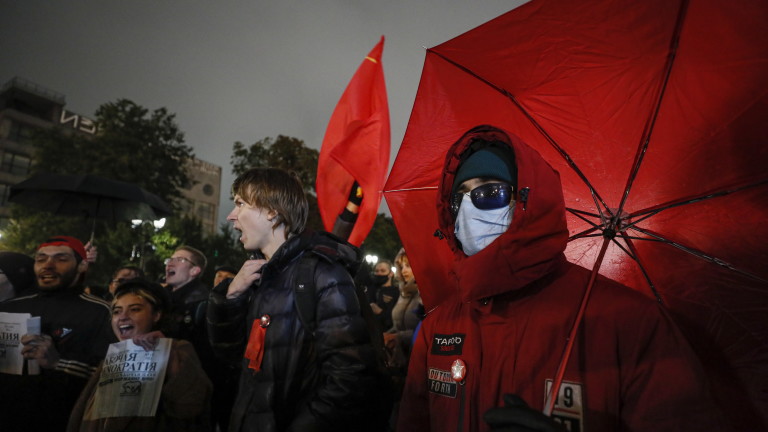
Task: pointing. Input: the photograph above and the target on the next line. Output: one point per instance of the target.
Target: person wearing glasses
(188, 296)
(485, 357)
(75, 332)
(189, 301)
(182, 276)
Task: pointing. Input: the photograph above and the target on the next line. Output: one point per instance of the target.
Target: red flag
(356, 147)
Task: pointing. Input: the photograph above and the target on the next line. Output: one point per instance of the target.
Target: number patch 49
(569, 405)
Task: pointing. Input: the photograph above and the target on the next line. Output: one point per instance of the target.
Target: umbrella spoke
(585, 234)
(411, 189)
(646, 139)
(595, 195)
(628, 239)
(701, 255)
(580, 214)
(647, 213)
(626, 251)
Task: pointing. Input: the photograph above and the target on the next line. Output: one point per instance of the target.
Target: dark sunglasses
(486, 197)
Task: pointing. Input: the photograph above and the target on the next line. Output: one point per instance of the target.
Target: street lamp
(145, 237)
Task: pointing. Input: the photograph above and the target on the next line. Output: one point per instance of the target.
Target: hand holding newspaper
(131, 380)
(13, 326)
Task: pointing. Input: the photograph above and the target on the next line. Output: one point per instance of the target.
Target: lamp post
(146, 228)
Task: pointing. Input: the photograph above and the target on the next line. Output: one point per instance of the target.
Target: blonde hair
(400, 260)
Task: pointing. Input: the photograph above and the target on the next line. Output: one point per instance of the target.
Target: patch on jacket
(569, 405)
(446, 345)
(441, 383)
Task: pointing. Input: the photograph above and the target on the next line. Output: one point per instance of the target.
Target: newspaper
(131, 381)
(12, 327)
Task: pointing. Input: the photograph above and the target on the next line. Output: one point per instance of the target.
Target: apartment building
(26, 106)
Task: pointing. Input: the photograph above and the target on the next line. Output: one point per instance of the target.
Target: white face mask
(477, 228)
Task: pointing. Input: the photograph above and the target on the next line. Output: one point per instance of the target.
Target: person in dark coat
(17, 276)
(293, 379)
(75, 334)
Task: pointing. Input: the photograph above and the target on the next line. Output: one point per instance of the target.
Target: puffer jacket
(324, 382)
(630, 370)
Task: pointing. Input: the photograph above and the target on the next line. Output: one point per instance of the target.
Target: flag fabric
(356, 147)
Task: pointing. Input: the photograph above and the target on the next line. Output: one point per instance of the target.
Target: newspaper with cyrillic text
(131, 380)
(12, 327)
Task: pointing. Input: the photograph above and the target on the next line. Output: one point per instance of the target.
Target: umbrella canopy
(89, 196)
(653, 113)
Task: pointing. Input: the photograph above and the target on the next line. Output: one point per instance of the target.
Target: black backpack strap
(304, 291)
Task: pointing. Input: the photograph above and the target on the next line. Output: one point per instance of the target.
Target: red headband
(72, 242)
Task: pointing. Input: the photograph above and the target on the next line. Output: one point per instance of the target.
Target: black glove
(356, 194)
(517, 416)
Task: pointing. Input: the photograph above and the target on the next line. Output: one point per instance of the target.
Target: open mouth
(48, 278)
(125, 330)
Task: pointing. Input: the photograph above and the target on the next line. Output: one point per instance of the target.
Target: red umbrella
(653, 112)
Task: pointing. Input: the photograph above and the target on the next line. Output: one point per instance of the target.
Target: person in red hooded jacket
(485, 359)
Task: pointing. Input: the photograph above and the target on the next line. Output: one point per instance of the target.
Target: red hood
(536, 238)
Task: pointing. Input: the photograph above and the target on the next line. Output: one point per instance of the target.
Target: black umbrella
(89, 196)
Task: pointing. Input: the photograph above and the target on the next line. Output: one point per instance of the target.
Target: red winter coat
(630, 370)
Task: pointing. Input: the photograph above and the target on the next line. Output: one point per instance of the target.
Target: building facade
(26, 106)
(203, 193)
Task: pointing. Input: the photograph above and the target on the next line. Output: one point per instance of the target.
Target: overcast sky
(230, 71)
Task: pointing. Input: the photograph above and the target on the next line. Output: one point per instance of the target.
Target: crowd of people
(296, 339)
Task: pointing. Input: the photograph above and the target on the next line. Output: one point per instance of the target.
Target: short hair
(139, 272)
(198, 258)
(275, 189)
(226, 268)
(154, 293)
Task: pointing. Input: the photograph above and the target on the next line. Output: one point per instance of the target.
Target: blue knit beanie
(488, 162)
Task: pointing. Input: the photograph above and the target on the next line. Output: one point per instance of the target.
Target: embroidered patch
(441, 383)
(569, 405)
(446, 345)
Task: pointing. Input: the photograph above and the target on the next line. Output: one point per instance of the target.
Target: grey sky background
(229, 70)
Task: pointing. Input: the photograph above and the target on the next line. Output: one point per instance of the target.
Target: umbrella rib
(411, 189)
(580, 214)
(674, 43)
(635, 256)
(702, 255)
(595, 195)
(585, 234)
(625, 250)
(709, 195)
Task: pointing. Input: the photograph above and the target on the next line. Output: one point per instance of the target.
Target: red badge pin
(264, 321)
(458, 370)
